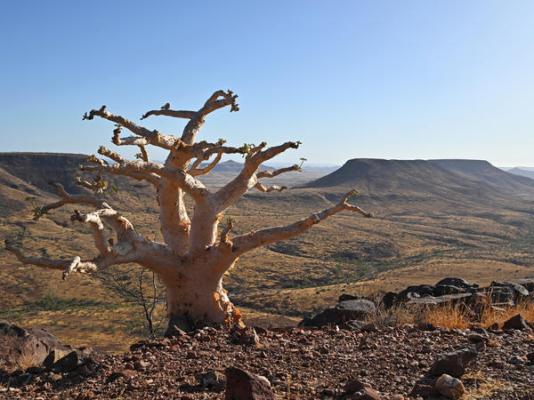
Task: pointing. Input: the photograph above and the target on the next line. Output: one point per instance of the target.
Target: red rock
(243, 385)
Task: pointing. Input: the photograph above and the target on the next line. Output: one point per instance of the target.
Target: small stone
(55, 377)
(516, 360)
(68, 363)
(212, 380)
(494, 327)
(496, 364)
(453, 363)
(354, 385)
(141, 364)
(243, 385)
(125, 373)
(247, 337)
(516, 322)
(530, 358)
(477, 338)
(367, 393)
(449, 387)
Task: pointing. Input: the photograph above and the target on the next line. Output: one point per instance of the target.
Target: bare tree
(195, 253)
(137, 286)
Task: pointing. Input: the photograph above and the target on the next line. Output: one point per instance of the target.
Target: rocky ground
(325, 363)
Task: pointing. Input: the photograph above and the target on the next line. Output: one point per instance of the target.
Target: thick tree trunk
(196, 297)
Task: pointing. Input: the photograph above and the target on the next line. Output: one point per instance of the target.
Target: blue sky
(384, 79)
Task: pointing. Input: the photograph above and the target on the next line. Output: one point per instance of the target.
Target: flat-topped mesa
(196, 252)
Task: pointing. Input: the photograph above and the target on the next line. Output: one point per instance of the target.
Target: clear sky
(385, 79)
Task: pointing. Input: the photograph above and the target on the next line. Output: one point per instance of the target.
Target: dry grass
(484, 386)
(449, 317)
(492, 316)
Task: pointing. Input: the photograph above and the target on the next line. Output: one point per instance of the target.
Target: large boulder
(21, 348)
(501, 295)
(515, 292)
(343, 312)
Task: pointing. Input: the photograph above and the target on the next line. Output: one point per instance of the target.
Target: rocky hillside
(360, 349)
(388, 363)
(483, 171)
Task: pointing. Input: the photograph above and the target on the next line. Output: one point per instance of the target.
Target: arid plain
(431, 219)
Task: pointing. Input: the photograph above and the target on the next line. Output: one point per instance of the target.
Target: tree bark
(195, 253)
(196, 297)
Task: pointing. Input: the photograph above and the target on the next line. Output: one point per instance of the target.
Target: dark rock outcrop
(456, 290)
(21, 348)
(343, 312)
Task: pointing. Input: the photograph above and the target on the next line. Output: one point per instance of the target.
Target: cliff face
(27, 175)
(37, 169)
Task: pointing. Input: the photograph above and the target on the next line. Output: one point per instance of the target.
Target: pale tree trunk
(195, 253)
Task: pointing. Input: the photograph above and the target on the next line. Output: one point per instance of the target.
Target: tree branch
(213, 103)
(102, 150)
(143, 154)
(138, 169)
(195, 171)
(153, 137)
(276, 172)
(266, 189)
(94, 221)
(262, 237)
(166, 111)
(230, 194)
(66, 198)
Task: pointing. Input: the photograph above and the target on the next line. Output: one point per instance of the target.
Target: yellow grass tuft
(492, 316)
(452, 317)
(449, 317)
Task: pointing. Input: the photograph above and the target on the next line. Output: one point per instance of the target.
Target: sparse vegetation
(449, 316)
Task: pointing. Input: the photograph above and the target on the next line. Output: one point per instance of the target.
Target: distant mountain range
(400, 183)
(522, 171)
